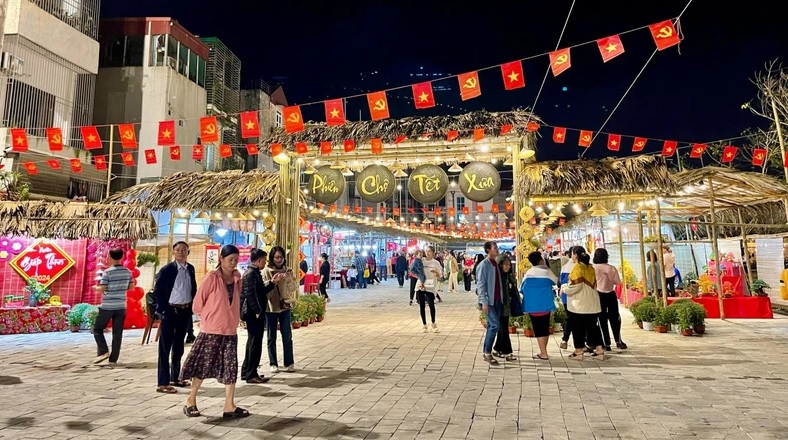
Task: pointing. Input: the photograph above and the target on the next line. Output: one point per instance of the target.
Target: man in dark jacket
(401, 268)
(254, 302)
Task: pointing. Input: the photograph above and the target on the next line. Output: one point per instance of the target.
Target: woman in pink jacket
(214, 354)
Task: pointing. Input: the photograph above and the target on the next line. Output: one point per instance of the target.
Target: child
(352, 274)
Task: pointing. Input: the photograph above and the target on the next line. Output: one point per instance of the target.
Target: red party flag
(19, 140)
(785, 161)
(90, 137)
(559, 135)
(294, 122)
(638, 144)
(729, 153)
(507, 128)
(560, 60)
(357, 209)
(197, 152)
(55, 139)
(378, 105)
(478, 134)
(252, 150)
(610, 47)
(585, 138)
(128, 137)
(399, 139)
(349, 145)
(469, 85)
(513, 77)
(452, 135)
(613, 142)
(377, 145)
(369, 210)
(759, 156)
(423, 96)
(175, 152)
(335, 112)
(31, 168)
(225, 151)
(209, 129)
(669, 148)
(301, 148)
(128, 159)
(249, 126)
(166, 135)
(697, 151)
(76, 165)
(325, 147)
(664, 34)
(54, 164)
(150, 156)
(100, 162)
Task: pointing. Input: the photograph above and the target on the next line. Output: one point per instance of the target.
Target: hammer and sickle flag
(55, 139)
(664, 34)
(208, 130)
(585, 138)
(378, 105)
(128, 138)
(294, 122)
(560, 61)
(469, 85)
(697, 151)
(759, 156)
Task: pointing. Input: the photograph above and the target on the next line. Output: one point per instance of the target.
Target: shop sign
(428, 183)
(375, 183)
(479, 181)
(43, 260)
(326, 185)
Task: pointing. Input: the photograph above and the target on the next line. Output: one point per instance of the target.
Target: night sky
(321, 49)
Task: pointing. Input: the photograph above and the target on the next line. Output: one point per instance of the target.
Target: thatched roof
(732, 188)
(588, 180)
(71, 220)
(204, 191)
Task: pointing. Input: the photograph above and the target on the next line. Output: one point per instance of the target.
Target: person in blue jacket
(539, 300)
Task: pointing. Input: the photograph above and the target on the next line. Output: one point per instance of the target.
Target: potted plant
(144, 258)
(662, 320)
(36, 291)
(513, 325)
(528, 327)
(75, 319)
(559, 317)
(685, 320)
(295, 316)
(648, 311)
(758, 286)
(698, 318)
(89, 318)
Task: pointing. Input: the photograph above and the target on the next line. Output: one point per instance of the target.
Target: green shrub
(647, 311)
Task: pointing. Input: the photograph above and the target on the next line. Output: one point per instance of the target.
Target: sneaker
(563, 345)
(435, 328)
(411, 303)
(621, 345)
(113, 364)
(274, 369)
(100, 358)
(290, 368)
(607, 348)
(424, 329)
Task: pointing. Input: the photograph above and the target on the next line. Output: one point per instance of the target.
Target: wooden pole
(715, 246)
(621, 257)
(170, 236)
(744, 246)
(663, 282)
(642, 247)
(518, 202)
(780, 137)
(109, 156)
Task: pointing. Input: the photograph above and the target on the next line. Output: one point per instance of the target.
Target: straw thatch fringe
(771, 213)
(412, 127)
(593, 178)
(72, 220)
(232, 189)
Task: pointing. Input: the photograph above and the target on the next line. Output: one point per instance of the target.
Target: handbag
(366, 273)
(515, 303)
(429, 283)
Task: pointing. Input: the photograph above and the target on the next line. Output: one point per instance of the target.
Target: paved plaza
(369, 372)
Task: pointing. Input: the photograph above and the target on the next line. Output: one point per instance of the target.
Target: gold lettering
(427, 183)
(374, 185)
(322, 186)
(483, 184)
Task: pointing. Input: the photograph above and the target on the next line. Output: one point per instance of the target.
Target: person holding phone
(428, 270)
(279, 304)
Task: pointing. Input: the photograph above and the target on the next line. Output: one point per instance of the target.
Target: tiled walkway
(367, 371)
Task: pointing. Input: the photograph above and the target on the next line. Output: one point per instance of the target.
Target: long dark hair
(582, 255)
(226, 251)
(272, 254)
(600, 256)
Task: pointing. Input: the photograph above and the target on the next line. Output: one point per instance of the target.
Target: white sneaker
(435, 328)
(291, 368)
(424, 329)
(274, 369)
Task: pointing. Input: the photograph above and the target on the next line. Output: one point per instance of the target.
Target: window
(135, 47)
(172, 52)
(183, 60)
(279, 120)
(158, 48)
(193, 66)
(27, 106)
(112, 52)
(201, 72)
(459, 203)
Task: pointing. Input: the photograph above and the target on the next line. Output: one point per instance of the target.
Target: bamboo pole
(170, 235)
(780, 137)
(517, 166)
(732, 225)
(642, 247)
(109, 156)
(744, 246)
(663, 282)
(621, 257)
(715, 246)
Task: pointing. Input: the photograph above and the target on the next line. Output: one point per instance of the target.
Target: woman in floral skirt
(214, 354)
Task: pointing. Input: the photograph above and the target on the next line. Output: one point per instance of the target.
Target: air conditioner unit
(10, 63)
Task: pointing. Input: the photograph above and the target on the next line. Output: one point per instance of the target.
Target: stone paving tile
(367, 372)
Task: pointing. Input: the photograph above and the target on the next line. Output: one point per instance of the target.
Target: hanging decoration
(326, 185)
(428, 183)
(375, 183)
(479, 181)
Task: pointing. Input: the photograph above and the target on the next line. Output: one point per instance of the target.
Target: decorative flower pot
(319, 318)
(640, 324)
(513, 330)
(296, 325)
(699, 329)
(311, 320)
(305, 323)
(686, 332)
(647, 326)
(74, 329)
(32, 301)
(661, 328)
(528, 332)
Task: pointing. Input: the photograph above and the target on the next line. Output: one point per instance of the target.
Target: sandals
(191, 411)
(538, 357)
(510, 357)
(166, 389)
(498, 354)
(181, 384)
(237, 414)
(598, 356)
(489, 359)
(576, 356)
(258, 380)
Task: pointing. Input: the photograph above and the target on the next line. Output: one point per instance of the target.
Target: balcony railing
(82, 15)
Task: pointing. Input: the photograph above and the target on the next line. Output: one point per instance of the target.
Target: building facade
(268, 102)
(151, 69)
(48, 68)
(223, 88)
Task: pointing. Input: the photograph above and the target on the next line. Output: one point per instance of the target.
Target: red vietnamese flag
(294, 122)
(301, 148)
(252, 150)
(585, 138)
(175, 152)
(31, 168)
(128, 159)
(478, 134)
(100, 163)
(513, 77)
(785, 161)
(669, 148)
(76, 165)
(150, 156)
(613, 142)
(128, 138)
(166, 135)
(19, 140)
(697, 151)
(54, 164)
(378, 105)
(469, 85)
(560, 60)
(507, 128)
(325, 147)
(559, 135)
(759, 156)
(452, 135)
(335, 112)
(349, 145)
(423, 96)
(639, 144)
(376, 145)
(369, 210)
(399, 139)
(197, 152)
(249, 126)
(209, 129)
(729, 153)
(610, 47)
(90, 137)
(225, 151)
(664, 34)
(55, 139)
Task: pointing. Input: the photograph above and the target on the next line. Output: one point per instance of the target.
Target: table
(33, 319)
(632, 296)
(752, 307)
